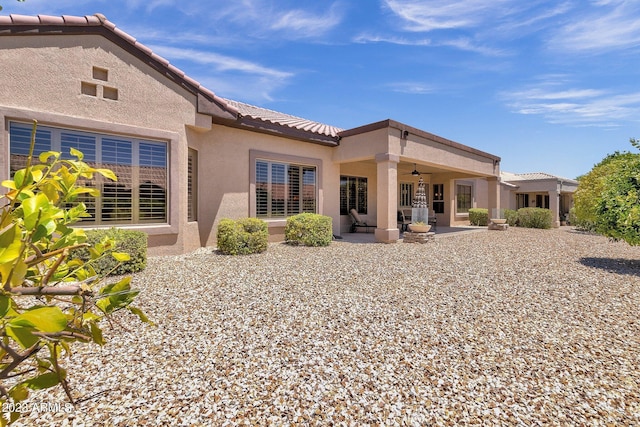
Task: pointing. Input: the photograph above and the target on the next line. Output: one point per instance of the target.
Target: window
(406, 194)
(438, 198)
(522, 201)
(192, 185)
(284, 189)
(353, 195)
(463, 198)
(140, 194)
(542, 201)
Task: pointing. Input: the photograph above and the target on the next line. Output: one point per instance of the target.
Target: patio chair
(432, 221)
(358, 222)
(403, 220)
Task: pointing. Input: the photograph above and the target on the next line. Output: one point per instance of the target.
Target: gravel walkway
(524, 327)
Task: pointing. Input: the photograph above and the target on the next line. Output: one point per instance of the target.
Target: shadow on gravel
(629, 267)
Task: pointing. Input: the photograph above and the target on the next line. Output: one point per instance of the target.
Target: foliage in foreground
(49, 302)
(131, 242)
(607, 200)
(243, 236)
(309, 229)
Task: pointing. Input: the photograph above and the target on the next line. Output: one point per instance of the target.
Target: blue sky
(550, 86)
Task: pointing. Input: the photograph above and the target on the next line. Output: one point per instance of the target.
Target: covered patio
(381, 163)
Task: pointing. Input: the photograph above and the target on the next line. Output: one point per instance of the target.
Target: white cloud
(414, 88)
(220, 62)
(304, 24)
(609, 25)
(432, 15)
(576, 107)
(368, 38)
(228, 76)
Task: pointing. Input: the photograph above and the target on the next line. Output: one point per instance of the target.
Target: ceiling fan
(416, 172)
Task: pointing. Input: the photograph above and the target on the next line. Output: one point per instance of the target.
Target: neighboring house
(540, 190)
(186, 157)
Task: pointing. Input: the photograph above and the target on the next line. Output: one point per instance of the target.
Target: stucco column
(387, 195)
(494, 194)
(554, 206)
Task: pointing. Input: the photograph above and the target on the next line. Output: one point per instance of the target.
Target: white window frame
(56, 145)
(255, 155)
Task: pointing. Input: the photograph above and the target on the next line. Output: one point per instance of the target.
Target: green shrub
(243, 236)
(129, 241)
(511, 216)
(479, 216)
(535, 218)
(573, 219)
(309, 229)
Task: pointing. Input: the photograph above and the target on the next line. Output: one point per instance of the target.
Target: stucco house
(541, 190)
(186, 157)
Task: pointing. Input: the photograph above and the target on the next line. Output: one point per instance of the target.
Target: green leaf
(22, 335)
(143, 317)
(96, 333)
(76, 153)
(121, 256)
(5, 304)
(18, 393)
(45, 319)
(36, 174)
(19, 177)
(116, 295)
(43, 381)
(46, 154)
(8, 183)
(108, 174)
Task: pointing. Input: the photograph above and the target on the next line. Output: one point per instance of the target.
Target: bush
(243, 236)
(618, 208)
(511, 216)
(535, 218)
(479, 216)
(309, 229)
(591, 188)
(128, 241)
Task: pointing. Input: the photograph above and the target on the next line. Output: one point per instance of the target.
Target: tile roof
(533, 176)
(283, 119)
(235, 108)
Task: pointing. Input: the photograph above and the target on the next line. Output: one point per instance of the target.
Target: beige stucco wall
(224, 176)
(42, 78)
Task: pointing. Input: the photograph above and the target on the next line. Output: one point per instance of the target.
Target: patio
(441, 231)
(525, 327)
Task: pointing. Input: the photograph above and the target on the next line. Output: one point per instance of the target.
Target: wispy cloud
(414, 88)
(220, 62)
(607, 25)
(301, 23)
(461, 43)
(433, 15)
(575, 106)
(229, 76)
(404, 41)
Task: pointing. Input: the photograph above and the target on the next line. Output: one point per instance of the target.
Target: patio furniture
(358, 222)
(404, 219)
(432, 221)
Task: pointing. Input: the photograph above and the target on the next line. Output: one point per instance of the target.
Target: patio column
(554, 205)
(387, 195)
(494, 194)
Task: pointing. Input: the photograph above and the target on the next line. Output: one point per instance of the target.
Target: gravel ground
(524, 327)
